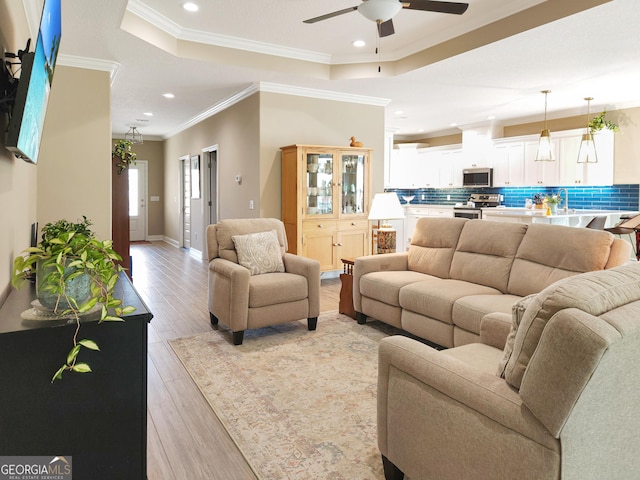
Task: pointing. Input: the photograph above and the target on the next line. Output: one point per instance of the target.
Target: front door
(138, 201)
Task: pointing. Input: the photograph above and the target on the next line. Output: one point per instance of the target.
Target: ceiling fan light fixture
(379, 10)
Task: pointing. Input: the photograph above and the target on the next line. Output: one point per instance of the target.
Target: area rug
(299, 404)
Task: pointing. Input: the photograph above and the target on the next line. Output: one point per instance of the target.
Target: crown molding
(90, 64)
(277, 88)
(322, 94)
(170, 27)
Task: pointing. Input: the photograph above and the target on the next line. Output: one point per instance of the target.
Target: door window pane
(133, 192)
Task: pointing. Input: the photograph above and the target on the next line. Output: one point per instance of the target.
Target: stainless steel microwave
(477, 177)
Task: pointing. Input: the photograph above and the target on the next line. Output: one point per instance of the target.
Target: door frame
(206, 212)
(184, 161)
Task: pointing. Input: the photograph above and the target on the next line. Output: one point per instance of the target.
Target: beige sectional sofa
(458, 272)
(559, 402)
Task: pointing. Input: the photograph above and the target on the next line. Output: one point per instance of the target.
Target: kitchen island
(571, 217)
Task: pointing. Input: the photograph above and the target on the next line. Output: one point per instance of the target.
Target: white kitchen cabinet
(402, 168)
(573, 173)
(508, 164)
(540, 173)
(451, 164)
(427, 171)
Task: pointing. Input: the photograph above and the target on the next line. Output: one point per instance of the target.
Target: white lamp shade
(545, 152)
(587, 153)
(385, 206)
(379, 10)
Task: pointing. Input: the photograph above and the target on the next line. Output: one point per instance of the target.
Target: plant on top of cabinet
(599, 122)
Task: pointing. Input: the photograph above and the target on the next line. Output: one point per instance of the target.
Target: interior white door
(138, 201)
(186, 203)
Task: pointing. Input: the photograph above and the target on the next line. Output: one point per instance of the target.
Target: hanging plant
(126, 156)
(599, 122)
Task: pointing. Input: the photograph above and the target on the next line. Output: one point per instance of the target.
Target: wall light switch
(155, 198)
(250, 204)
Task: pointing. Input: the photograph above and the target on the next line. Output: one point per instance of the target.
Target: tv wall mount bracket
(8, 80)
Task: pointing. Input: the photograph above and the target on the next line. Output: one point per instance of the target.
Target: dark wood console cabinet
(97, 418)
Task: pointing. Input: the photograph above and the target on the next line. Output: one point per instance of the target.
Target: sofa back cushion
(433, 243)
(485, 252)
(549, 253)
(595, 293)
(222, 244)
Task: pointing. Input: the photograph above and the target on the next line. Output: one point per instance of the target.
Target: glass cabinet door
(319, 184)
(352, 180)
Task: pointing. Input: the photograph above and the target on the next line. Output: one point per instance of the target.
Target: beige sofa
(459, 271)
(567, 407)
(243, 300)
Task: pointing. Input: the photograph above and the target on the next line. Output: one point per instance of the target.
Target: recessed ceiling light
(190, 6)
(398, 112)
(420, 130)
(359, 43)
(168, 95)
(491, 117)
(454, 124)
(148, 114)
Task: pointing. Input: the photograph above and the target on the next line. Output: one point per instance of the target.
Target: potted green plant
(599, 122)
(75, 273)
(125, 156)
(552, 202)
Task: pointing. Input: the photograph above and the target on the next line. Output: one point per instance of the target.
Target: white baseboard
(171, 241)
(155, 238)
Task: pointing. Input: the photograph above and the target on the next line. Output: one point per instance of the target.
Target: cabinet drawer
(345, 225)
(318, 226)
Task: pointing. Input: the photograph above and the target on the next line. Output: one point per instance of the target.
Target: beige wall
(153, 152)
(73, 175)
(74, 170)
(17, 178)
(249, 135)
(235, 131)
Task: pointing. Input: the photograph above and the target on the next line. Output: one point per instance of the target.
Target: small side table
(346, 292)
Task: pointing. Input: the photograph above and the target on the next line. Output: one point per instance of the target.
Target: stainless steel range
(475, 204)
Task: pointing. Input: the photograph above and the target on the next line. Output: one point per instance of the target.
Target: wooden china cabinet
(325, 202)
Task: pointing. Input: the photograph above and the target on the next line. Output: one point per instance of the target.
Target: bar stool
(633, 236)
(597, 223)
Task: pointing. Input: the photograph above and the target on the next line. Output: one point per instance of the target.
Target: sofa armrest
(429, 375)
(310, 269)
(229, 292)
(495, 328)
(375, 263)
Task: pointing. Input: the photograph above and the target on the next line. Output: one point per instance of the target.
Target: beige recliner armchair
(560, 402)
(243, 297)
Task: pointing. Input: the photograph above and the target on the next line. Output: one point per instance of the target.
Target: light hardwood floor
(185, 439)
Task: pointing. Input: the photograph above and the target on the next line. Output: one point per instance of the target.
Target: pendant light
(587, 152)
(133, 135)
(545, 153)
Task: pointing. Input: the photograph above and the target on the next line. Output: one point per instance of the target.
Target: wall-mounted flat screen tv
(30, 106)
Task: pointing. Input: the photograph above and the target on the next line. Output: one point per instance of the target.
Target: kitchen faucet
(566, 199)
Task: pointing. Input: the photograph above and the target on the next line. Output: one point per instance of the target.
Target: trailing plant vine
(599, 122)
(126, 156)
(67, 251)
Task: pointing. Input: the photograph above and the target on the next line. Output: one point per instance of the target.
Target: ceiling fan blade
(457, 8)
(330, 15)
(386, 28)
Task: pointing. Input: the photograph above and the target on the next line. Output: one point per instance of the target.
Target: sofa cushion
(485, 252)
(259, 252)
(593, 292)
(435, 297)
(385, 286)
(276, 289)
(468, 311)
(538, 264)
(433, 243)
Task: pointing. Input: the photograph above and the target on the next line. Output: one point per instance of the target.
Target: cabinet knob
(353, 224)
(320, 225)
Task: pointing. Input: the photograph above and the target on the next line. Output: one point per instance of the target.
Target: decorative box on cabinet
(325, 202)
(99, 419)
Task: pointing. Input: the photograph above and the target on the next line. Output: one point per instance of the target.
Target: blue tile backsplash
(616, 197)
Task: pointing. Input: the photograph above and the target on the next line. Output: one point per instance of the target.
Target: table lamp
(385, 207)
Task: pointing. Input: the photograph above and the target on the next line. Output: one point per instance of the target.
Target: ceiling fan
(382, 11)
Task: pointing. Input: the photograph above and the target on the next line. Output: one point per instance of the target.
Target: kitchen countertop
(573, 217)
